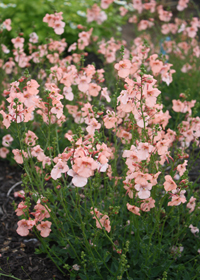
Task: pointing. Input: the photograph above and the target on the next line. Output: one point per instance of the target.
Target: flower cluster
(41, 212)
(55, 21)
(101, 144)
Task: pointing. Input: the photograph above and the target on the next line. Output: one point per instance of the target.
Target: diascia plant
(105, 185)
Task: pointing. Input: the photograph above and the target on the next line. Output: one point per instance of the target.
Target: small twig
(15, 185)
(10, 276)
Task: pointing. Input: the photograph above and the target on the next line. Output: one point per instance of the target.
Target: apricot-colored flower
(110, 121)
(85, 166)
(59, 27)
(41, 212)
(59, 168)
(44, 228)
(191, 204)
(147, 204)
(19, 211)
(133, 209)
(177, 200)
(96, 213)
(193, 229)
(169, 183)
(123, 68)
(23, 227)
(7, 24)
(7, 140)
(18, 42)
(182, 4)
(182, 168)
(3, 152)
(94, 89)
(105, 222)
(143, 190)
(18, 155)
(30, 138)
(78, 181)
(38, 152)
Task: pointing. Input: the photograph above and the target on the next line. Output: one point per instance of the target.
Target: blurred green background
(27, 17)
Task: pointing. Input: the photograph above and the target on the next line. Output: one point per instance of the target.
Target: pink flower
(177, 199)
(105, 222)
(182, 4)
(44, 228)
(33, 37)
(192, 31)
(18, 42)
(94, 89)
(97, 214)
(93, 124)
(23, 227)
(3, 152)
(18, 155)
(59, 168)
(147, 204)
(59, 27)
(4, 48)
(193, 229)
(78, 181)
(83, 83)
(72, 47)
(123, 68)
(137, 5)
(156, 65)
(67, 91)
(7, 140)
(186, 67)
(7, 24)
(6, 119)
(30, 138)
(110, 120)
(41, 212)
(38, 152)
(85, 166)
(133, 209)
(9, 65)
(179, 106)
(141, 178)
(182, 168)
(169, 184)
(105, 3)
(144, 150)
(19, 194)
(143, 190)
(105, 94)
(19, 211)
(191, 204)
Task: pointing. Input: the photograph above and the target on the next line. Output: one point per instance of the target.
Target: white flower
(76, 267)
(67, 4)
(118, 2)
(72, 25)
(81, 13)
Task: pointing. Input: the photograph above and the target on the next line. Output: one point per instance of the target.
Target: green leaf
(114, 266)
(82, 276)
